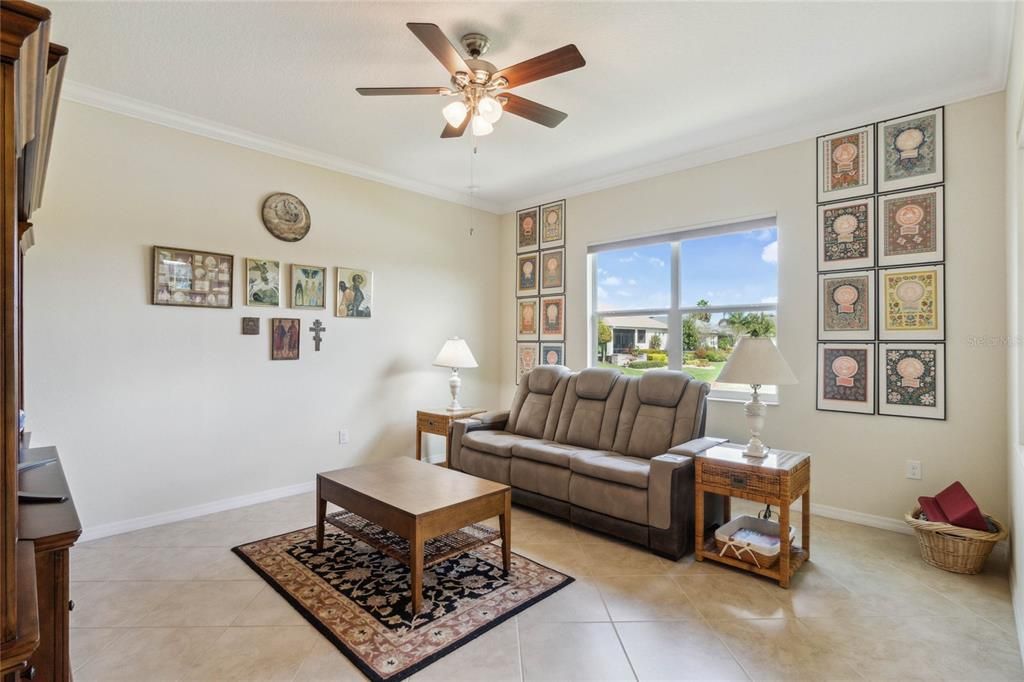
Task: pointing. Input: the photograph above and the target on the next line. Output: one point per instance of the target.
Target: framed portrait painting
(527, 229)
(354, 297)
(912, 380)
(846, 235)
(284, 338)
(262, 282)
(912, 303)
(910, 151)
(552, 271)
(250, 326)
(309, 286)
(526, 274)
(196, 279)
(552, 324)
(912, 227)
(527, 319)
(846, 164)
(552, 224)
(552, 353)
(846, 378)
(526, 359)
(846, 306)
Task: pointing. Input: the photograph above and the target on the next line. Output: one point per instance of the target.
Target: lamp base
(755, 411)
(454, 383)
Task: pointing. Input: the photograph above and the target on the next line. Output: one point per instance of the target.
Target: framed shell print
(912, 227)
(910, 151)
(846, 306)
(262, 282)
(911, 303)
(526, 274)
(846, 164)
(193, 279)
(552, 318)
(552, 353)
(912, 380)
(526, 359)
(527, 319)
(552, 224)
(846, 377)
(846, 235)
(285, 217)
(552, 271)
(309, 286)
(527, 230)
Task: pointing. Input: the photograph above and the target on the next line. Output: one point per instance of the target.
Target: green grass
(700, 373)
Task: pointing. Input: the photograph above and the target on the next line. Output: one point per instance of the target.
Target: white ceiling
(666, 84)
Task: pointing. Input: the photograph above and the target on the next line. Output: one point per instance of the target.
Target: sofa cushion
(494, 442)
(543, 479)
(544, 378)
(662, 387)
(484, 465)
(545, 451)
(611, 499)
(596, 383)
(608, 466)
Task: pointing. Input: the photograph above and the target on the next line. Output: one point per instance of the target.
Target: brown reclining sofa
(603, 450)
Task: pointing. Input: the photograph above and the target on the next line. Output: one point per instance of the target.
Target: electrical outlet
(343, 437)
(914, 469)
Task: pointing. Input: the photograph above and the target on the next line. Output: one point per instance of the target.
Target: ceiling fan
(480, 89)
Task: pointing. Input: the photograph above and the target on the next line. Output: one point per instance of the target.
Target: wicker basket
(952, 548)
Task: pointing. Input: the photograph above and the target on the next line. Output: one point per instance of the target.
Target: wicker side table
(778, 479)
(437, 422)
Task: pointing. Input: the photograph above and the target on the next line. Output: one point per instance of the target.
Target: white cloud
(770, 299)
(624, 293)
(631, 282)
(657, 262)
(770, 253)
(612, 281)
(763, 234)
(602, 292)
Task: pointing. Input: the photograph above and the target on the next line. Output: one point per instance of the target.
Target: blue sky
(725, 269)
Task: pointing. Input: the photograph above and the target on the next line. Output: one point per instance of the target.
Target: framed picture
(552, 310)
(250, 326)
(309, 286)
(846, 164)
(910, 152)
(552, 224)
(526, 274)
(912, 303)
(846, 235)
(355, 293)
(526, 359)
(262, 282)
(552, 353)
(912, 227)
(527, 319)
(526, 229)
(552, 271)
(912, 380)
(284, 338)
(846, 377)
(196, 279)
(846, 306)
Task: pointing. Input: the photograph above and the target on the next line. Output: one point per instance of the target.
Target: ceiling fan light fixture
(489, 108)
(455, 113)
(481, 126)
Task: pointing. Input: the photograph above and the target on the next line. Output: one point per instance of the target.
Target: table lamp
(756, 361)
(455, 353)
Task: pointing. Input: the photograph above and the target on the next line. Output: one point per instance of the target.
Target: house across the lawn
(636, 331)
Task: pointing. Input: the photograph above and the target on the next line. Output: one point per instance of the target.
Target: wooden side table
(437, 422)
(778, 479)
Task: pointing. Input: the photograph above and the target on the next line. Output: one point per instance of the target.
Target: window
(696, 291)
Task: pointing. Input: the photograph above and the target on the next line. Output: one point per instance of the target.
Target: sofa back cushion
(660, 409)
(590, 410)
(538, 401)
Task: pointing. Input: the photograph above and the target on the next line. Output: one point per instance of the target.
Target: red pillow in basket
(960, 508)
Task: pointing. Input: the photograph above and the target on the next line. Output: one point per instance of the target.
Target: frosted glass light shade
(489, 108)
(455, 353)
(481, 126)
(756, 360)
(455, 113)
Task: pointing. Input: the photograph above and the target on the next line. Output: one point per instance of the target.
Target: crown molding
(99, 98)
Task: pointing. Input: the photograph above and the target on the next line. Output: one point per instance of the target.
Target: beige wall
(159, 408)
(858, 460)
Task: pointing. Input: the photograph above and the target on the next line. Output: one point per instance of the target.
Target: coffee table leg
(321, 514)
(416, 570)
(506, 533)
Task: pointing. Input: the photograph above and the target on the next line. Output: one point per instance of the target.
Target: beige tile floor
(172, 603)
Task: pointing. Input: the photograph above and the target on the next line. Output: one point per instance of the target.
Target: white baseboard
(138, 523)
(872, 520)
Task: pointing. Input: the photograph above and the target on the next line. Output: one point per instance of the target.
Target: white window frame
(675, 311)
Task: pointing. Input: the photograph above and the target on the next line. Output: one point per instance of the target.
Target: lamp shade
(756, 360)
(455, 353)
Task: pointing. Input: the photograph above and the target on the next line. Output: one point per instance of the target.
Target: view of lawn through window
(725, 283)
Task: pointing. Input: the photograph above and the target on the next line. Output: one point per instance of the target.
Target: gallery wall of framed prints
(881, 268)
(540, 287)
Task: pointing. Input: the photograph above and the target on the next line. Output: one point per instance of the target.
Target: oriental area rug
(356, 591)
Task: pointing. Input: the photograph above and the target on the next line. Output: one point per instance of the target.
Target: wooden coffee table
(416, 500)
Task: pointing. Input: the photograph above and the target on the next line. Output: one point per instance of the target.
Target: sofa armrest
(495, 419)
(486, 421)
(696, 446)
(665, 474)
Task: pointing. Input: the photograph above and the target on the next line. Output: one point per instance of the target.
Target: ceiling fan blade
(532, 111)
(456, 131)
(432, 37)
(551, 63)
(373, 92)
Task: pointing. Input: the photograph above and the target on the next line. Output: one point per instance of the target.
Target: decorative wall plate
(286, 217)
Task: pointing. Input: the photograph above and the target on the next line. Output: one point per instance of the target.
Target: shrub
(700, 362)
(716, 355)
(655, 342)
(701, 353)
(646, 364)
(655, 356)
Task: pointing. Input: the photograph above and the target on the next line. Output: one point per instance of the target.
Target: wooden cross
(317, 328)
